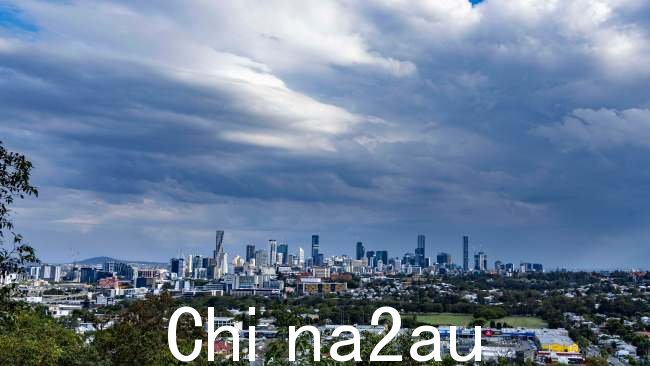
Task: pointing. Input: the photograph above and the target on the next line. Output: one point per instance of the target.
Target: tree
(34, 338)
(477, 323)
(490, 312)
(15, 171)
(140, 335)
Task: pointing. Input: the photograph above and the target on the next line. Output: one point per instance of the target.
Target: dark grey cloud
(522, 124)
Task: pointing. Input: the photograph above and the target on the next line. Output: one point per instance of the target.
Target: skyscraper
(223, 270)
(361, 251)
(301, 256)
(273, 252)
(218, 244)
(419, 251)
(465, 253)
(480, 261)
(284, 250)
(219, 256)
(178, 266)
(315, 246)
(197, 262)
(261, 258)
(443, 258)
(189, 265)
(250, 252)
(371, 258)
(382, 255)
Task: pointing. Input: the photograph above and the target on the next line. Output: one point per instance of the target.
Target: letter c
(171, 334)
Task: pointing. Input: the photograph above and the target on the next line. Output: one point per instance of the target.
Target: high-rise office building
(189, 265)
(397, 264)
(409, 258)
(197, 262)
(419, 251)
(218, 244)
(382, 255)
(443, 258)
(315, 247)
(87, 275)
(261, 258)
(273, 252)
(238, 261)
(361, 251)
(119, 268)
(301, 256)
(220, 257)
(34, 272)
(480, 261)
(224, 264)
(371, 258)
(465, 253)
(283, 249)
(178, 266)
(51, 273)
(250, 252)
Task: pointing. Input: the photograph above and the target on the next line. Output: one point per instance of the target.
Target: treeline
(31, 337)
(138, 337)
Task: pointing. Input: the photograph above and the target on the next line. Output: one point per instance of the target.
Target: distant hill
(101, 260)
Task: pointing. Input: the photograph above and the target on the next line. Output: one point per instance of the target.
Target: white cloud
(272, 139)
(233, 55)
(435, 19)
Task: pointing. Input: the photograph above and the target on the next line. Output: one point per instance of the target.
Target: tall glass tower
(218, 244)
(273, 252)
(465, 253)
(250, 252)
(315, 246)
(419, 251)
(220, 258)
(361, 251)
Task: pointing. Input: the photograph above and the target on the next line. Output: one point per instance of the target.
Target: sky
(523, 124)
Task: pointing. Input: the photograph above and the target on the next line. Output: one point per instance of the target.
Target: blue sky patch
(12, 18)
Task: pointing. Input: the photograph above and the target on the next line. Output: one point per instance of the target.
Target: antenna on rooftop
(74, 254)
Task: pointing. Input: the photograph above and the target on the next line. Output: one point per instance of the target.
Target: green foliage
(15, 171)
(478, 322)
(33, 338)
(490, 312)
(140, 337)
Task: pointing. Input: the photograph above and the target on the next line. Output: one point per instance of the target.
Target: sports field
(465, 319)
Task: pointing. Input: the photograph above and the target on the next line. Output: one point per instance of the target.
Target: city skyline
(470, 258)
(524, 125)
(455, 252)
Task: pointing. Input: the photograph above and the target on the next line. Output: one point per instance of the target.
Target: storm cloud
(523, 124)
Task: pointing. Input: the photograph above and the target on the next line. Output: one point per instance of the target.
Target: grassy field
(464, 319)
(524, 322)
